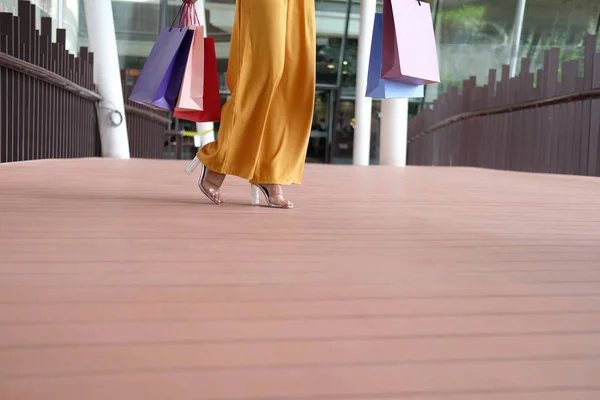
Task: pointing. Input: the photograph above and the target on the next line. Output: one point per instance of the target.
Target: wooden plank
(570, 130)
(551, 62)
(70, 104)
(588, 77)
(24, 133)
(61, 70)
(15, 139)
(594, 159)
(515, 155)
(77, 111)
(578, 127)
(86, 145)
(531, 121)
(38, 98)
(538, 155)
(525, 117)
(559, 145)
(48, 92)
(3, 101)
(5, 75)
(505, 118)
(6, 29)
(492, 125)
(489, 302)
(30, 147)
(55, 106)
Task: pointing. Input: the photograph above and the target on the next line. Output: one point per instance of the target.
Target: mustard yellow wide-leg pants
(265, 125)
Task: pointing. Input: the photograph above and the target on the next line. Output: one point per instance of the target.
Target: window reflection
(473, 37)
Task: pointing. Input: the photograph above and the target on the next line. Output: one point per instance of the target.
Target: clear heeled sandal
(256, 190)
(192, 165)
(212, 194)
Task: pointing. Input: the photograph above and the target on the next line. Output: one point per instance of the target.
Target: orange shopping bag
(192, 86)
(211, 99)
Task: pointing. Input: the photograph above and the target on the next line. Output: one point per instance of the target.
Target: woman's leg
(256, 66)
(287, 132)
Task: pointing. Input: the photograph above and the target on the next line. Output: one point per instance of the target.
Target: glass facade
(473, 37)
(44, 8)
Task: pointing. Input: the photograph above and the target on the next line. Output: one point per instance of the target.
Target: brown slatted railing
(146, 127)
(47, 98)
(533, 122)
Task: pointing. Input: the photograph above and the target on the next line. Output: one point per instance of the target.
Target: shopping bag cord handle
(186, 18)
(179, 13)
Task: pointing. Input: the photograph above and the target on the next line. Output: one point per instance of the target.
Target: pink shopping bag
(377, 87)
(211, 110)
(192, 87)
(409, 52)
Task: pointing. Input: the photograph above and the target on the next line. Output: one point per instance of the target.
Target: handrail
(44, 75)
(146, 114)
(577, 96)
(52, 78)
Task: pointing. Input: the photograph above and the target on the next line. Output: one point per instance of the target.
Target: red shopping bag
(192, 86)
(211, 98)
(409, 52)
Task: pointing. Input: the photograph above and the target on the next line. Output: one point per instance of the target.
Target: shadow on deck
(118, 280)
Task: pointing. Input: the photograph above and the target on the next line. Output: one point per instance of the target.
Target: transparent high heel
(212, 194)
(256, 189)
(192, 165)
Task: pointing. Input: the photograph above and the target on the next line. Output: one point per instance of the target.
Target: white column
(363, 105)
(102, 41)
(516, 37)
(394, 127)
(204, 126)
(60, 5)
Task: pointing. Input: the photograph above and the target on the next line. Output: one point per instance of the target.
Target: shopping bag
(192, 86)
(160, 79)
(380, 88)
(176, 73)
(211, 110)
(409, 48)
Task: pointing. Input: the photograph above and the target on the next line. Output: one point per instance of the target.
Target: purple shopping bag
(378, 87)
(160, 79)
(409, 48)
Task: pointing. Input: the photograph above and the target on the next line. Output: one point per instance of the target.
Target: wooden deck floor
(119, 281)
